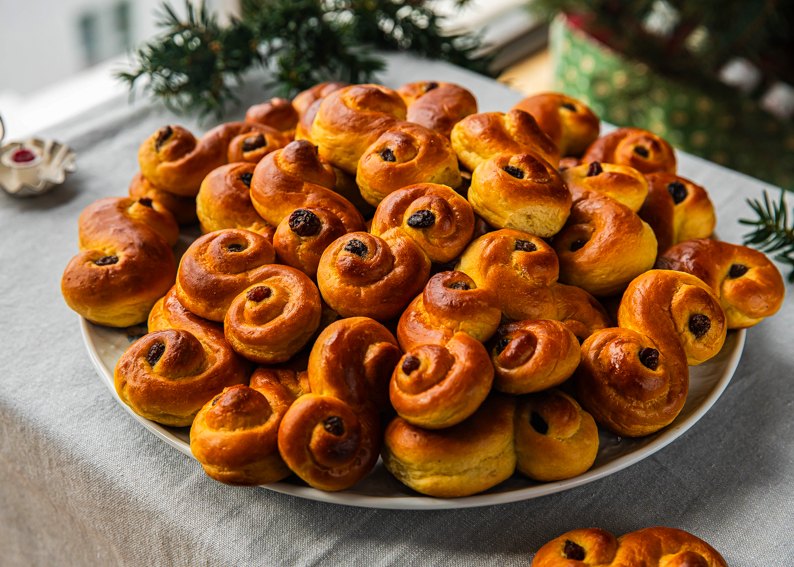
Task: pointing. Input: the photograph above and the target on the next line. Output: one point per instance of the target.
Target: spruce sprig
(196, 63)
(772, 232)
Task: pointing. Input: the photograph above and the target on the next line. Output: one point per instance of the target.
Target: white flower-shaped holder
(31, 168)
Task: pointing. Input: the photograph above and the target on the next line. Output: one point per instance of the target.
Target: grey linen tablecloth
(81, 483)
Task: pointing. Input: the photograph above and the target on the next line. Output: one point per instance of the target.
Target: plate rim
(422, 502)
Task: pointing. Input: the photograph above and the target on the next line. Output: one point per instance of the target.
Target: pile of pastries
(392, 273)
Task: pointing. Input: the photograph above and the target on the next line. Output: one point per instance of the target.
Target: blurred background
(714, 77)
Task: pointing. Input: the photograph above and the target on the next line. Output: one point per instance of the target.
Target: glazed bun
(530, 356)
(603, 246)
(277, 113)
(570, 124)
(304, 99)
(438, 106)
(405, 155)
(555, 438)
(621, 182)
(252, 146)
(224, 201)
(520, 191)
(677, 210)
(470, 457)
(363, 275)
(274, 318)
(351, 119)
(651, 547)
(125, 262)
(296, 178)
(643, 150)
(235, 435)
(168, 375)
(479, 137)
(218, 267)
(438, 386)
(439, 220)
(748, 284)
(302, 237)
(450, 303)
(182, 208)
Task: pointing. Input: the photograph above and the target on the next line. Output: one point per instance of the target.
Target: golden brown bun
(174, 161)
(302, 237)
(364, 275)
(303, 131)
(692, 216)
(296, 178)
(224, 201)
(621, 182)
(555, 438)
(479, 137)
(438, 386)
(235, 435)
(182, 208)
(465, 459)
(439, 220)
(438, 106)
(331, 437)
(643, 150)
(274, 318)
(651, 547)
(522, 270)
(351, 119)
(530, 356)
(404, 155)
(278, 113)
(450, 303)
(218, 267)
(748, 284)
(570, 124)
(304, 99)
(520, 191)
(168, 375)
(603, 246)
(125, 262)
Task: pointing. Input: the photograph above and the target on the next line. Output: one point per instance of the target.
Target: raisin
(162, 136)
(106, 260)
(410, 364)
(569, 106)
(573, 551)
(649, 358)
(252, 143)
(538, 423)
(677, 191)
(738, 270)
(641, 151)
(304, 223)
(387, 155)
(460, 285)
(246, 178)
(155, 353)
(431, 86)
(514, 171)
(594, 169)
(699, 325)
(146, 202)
(578, 244)
(334, 425)
(236, 247)
(215, 400)
(355, 246)
(501, 345)
(259, 293)
(525, 246)
(421, 219)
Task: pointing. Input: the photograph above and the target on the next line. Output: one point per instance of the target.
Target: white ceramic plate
(381, 490)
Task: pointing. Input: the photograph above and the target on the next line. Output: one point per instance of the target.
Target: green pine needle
(772, 233)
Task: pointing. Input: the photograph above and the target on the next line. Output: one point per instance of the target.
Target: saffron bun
(677, 210)
(623, 183)
(437, 105)
(302, 237)
(748, 284)
(570, 124)
(224, 201)
(643, 150)
(480, 137)
(304, 99)
(125, 262)
(405, 155)
(277, 113)
(182, 208)
(520, 191)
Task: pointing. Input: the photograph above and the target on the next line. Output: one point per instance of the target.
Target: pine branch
(772, 233)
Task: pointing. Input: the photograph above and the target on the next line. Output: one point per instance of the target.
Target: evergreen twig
(772, 233)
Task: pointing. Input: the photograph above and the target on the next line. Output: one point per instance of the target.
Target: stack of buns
(351, 297)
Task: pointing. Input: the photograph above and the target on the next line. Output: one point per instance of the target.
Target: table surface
(81, 483)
